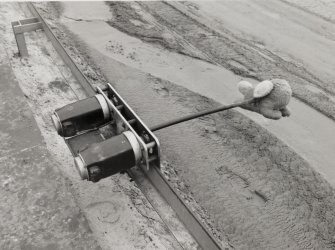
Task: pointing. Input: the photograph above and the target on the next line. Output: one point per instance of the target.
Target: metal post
(21, 26)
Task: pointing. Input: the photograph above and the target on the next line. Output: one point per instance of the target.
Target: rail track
(154, 179)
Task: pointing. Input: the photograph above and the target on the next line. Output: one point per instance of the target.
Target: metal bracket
(21, 26)
(126, 119)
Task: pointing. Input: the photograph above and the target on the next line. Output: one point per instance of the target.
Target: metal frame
(122, 125)
(150, 146)
(22, 26)
(197, 229)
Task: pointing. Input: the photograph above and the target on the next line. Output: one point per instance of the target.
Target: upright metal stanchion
(22, 26)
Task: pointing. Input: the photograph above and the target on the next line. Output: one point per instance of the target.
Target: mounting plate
(126, 119)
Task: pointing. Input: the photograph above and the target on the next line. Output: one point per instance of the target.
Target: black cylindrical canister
(108, 157)
(82, 115)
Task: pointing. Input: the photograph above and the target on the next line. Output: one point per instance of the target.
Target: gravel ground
(255, 191)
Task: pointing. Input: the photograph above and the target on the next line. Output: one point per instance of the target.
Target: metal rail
(204, 237)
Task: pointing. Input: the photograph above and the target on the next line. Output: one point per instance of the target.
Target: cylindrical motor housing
(82, 115)
(108, 157)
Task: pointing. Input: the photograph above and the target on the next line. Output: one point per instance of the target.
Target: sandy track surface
(219, 45)
(258, 192)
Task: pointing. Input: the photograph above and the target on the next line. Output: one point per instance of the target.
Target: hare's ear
(263, 88)
(246, 88)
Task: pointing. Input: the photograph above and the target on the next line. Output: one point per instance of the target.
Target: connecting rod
(197, 115)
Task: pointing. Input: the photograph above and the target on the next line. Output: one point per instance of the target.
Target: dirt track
(208, 40)
(258, 192)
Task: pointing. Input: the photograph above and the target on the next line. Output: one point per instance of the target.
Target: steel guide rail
(204, 237)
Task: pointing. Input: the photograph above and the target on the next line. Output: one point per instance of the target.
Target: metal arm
(202, 113)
